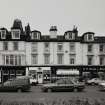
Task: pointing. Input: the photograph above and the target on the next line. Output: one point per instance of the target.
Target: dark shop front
(8, 72)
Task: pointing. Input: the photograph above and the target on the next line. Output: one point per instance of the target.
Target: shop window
(19, 72)
(5, 72)
(12, 72)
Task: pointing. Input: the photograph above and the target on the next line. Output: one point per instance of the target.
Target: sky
(87, 15)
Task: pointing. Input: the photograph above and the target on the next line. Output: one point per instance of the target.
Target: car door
(69, 85)
(2, 87)
(8, 85)
(60, 85)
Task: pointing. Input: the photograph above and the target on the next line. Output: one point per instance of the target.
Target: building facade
(26, 52)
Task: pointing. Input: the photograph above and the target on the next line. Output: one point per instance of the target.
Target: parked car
(16, 84)
(94, 81)
(63, 85)
(102, 86)
(33, 81)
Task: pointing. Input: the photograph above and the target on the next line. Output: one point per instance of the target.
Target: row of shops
(45, 74)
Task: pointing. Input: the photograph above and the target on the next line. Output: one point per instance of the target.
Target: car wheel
(93, 84)
(19, 90)
(75, 90)
(49, 90)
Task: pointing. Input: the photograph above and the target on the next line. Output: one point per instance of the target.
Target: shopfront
(41, 74)
(8, 72)
(92, 71)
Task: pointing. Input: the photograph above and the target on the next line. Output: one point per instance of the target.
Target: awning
(67, 72)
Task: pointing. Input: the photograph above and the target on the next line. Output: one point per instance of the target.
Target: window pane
(7, 60)
(34, 59)
(72, 61)
(101, 48)
(34, 47)
(16, 34)
(11, 60)
(89, 60)
(19, 60)
(90, 37)
(5, 45)
(47, 59)
(3, 34)
(46, 47)
(60, 46)
(89, 48)
(15, 45)
(60, 59)
(101, 60)
(72, 47)
(16, 62)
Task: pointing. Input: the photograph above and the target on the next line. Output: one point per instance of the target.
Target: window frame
(34, 59)
(15, 46)
(35, 35)
(5, 45)
(47, 49)
(101, 47)
(101, 60)
(46, 58)
(88, 60)
(60, 59)
(3, 37)
(90, 37)
(34, 47)
(13, 60)
(88, 49)
(61, 47)
(72, 49)
(14, 34)
(72, 57)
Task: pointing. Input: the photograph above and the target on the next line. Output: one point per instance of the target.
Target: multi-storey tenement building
(26, 52)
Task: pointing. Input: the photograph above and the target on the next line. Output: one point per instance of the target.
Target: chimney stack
(53, 32)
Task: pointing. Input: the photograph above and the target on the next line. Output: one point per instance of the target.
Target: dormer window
(3, 34)
(15, 34)
(70, 35)
(35, 35)
(90, 37)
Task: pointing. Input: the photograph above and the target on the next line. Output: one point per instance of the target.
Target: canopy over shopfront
(67, 72)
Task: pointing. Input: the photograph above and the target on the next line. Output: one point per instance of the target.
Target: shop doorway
(40, 77)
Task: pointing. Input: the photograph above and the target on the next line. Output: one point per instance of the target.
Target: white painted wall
(25, 49)
(53, 53)
(21, 51)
